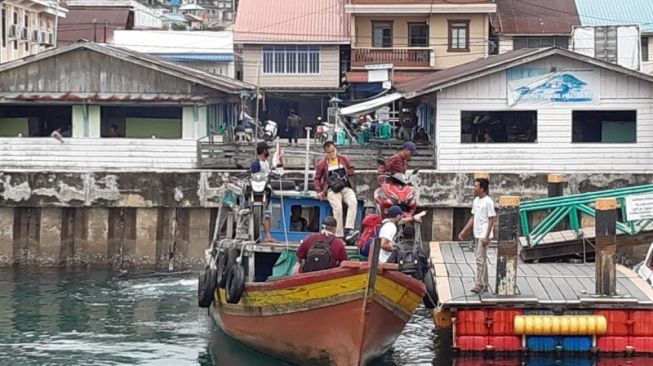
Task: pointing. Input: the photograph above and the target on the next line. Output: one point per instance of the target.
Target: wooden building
(120, 108)
(539, 110)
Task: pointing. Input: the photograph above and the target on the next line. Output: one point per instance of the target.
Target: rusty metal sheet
(533, 17)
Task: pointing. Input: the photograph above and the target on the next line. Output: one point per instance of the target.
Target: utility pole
(258, 90)
(56, 25)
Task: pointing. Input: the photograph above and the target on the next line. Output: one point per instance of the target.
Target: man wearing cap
(397, 163)
(337, 254)
(389, 228)
(262, 165)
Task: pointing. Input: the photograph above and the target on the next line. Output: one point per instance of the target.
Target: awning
(370, 105)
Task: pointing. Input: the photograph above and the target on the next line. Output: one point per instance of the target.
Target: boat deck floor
(539, 285)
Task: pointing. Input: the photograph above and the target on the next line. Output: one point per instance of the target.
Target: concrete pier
(148, 219)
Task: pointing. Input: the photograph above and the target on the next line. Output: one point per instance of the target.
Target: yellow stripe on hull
(323, 290)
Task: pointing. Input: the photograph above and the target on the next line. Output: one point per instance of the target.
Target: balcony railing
(398, 57)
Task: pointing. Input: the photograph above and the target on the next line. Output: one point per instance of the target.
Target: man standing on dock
(482, 220)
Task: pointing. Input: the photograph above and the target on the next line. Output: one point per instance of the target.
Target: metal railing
(398, 57)
(567, 208)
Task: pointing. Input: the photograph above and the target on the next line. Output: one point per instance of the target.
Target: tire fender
(235, 284)
(206, 285)
(228, 257)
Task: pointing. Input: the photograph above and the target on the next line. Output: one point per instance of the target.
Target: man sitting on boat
(261, 165)
(323, 250)
(333, 182)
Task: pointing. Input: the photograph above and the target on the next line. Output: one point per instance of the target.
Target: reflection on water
(80, 317)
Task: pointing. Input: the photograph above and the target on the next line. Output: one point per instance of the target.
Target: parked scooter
(267, 131)
(396, 190)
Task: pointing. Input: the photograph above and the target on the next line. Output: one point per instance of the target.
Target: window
(604, 126)
(458, 36)
(538, 42)
(645, 49)
(141, 122)
(291, 59)
(605, 43)
(498, 126)
(382, 34)
(418, 35)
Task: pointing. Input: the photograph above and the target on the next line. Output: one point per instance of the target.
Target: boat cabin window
(304, 218)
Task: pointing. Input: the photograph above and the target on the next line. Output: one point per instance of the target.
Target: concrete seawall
(147, 219)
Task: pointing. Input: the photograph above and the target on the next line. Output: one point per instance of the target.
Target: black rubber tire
(285, 185)
(431, 291)
(257, 216)
(235, 284)
(311, 186)
(206, 288)
(223, 257)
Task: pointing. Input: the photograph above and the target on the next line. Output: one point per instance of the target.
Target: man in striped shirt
(397, 163)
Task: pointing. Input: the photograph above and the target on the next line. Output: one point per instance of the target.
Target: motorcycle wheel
(257, 221)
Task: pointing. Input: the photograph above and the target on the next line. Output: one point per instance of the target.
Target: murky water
(58, 317)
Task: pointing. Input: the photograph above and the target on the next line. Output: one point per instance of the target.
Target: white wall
(553, 151)
(95, 153)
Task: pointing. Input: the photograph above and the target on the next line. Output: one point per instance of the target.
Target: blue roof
(620, 12)
(175, 17)
(182, 57)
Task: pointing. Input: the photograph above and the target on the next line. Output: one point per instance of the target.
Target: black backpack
(318, 256)
(412, 260)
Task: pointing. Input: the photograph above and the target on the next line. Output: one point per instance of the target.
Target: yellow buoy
(565, 325)
(442, 318)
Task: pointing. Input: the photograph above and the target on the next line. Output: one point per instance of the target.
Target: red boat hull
(325, 318)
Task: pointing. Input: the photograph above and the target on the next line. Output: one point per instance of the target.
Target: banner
(639, 207)
(564, 87)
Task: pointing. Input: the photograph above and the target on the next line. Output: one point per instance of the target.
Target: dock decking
(540, 285)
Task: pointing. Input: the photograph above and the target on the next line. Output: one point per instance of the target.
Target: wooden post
(508, 251)
(606, 246)
(556, 183)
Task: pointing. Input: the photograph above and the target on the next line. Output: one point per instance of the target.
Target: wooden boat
(344, 316)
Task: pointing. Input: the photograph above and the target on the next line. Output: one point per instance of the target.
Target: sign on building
(562, 87)
(639, 207)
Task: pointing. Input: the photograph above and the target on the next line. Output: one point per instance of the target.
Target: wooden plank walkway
(230, 155)
(540, 285)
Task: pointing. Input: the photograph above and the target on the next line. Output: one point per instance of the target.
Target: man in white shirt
(388, 230)
(482, 220)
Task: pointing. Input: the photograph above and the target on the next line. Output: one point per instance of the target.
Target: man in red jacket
(333, 182)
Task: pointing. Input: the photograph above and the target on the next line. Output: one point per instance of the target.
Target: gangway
(545, 236)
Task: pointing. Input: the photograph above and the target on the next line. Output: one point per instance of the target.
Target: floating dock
(554, 307)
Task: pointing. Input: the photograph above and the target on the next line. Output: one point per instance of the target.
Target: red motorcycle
(396, 190)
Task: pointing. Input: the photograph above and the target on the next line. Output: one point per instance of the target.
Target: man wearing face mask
(261, 165)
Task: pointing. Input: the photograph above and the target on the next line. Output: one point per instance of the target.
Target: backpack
(318, 256)
(412, 260)
(371, 225)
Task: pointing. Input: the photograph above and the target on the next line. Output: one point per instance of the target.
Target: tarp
(370, 105)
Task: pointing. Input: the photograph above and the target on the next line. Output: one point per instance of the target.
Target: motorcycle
(396, 190)
(322, 131)
(267, 131)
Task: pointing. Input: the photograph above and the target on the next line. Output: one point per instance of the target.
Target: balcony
(412, 57)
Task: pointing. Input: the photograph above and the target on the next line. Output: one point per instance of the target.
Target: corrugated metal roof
(182, 57)
(471, 70)
(90, 24)
(217, 82)
(621, 12)
(535, 17)
(162, 42)
(292, 21)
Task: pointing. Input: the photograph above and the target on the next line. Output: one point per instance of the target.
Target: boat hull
(326, 318)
